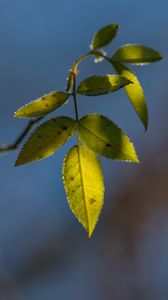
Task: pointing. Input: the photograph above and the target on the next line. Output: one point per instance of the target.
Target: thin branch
(74, 98)
(13, 146)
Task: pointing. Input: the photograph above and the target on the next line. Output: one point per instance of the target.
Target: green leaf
(103, 136)
(101, 85)
(136, 54)
(46, 139)
(134, 92)
(84, 185)
(42, 105)
(104, 36)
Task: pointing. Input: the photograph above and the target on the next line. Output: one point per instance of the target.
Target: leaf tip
(90, 232)
(16, 114)
(17, 163)
(136, 160)
(128, 81)
(146, 127)
(160, 56)
(89, 235)
(19, 114)
(145, 119)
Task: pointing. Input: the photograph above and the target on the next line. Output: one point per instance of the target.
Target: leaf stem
(78, 61)
(74, 70)
(76, 107)
(74, 98)
(73, 73)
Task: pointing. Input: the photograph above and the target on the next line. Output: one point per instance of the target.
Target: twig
(31, 123)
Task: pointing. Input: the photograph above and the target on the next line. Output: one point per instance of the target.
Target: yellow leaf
(84, 185)
(134, 92)
(136, 54)
(104, 137)
(101, 85)
(46, 139)
(42, 105)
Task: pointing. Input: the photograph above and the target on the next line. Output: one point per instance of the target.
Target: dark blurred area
(44, 251)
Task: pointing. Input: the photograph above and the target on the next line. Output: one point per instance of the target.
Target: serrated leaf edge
(40, 99)
(147, 113)
(134, 63)
(40, 126)
(91, 44)
(98, 89)
(68, 200)
(124, 160)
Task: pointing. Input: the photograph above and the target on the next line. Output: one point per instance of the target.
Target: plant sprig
(96, 134)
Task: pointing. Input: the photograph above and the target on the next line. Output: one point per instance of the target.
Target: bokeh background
(44, 251)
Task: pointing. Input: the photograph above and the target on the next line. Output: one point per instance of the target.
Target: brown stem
(13, 146)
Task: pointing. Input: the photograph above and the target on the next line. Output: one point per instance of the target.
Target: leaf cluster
(96, 134)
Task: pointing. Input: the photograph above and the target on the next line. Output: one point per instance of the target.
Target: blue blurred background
(44, 251)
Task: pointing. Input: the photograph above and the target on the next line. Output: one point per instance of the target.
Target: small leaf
(43, 105)
(103, 136)
(84, 185)
(134, 92)
(46, 139)
(136, 54)
(101, 85)
(104, 36)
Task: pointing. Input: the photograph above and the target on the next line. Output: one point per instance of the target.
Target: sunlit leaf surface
(103, 136)
(46, 139)
(136, 54)
(135, 93)
(84, 185)
(101, 85)
(104, 36)
(42, 105)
